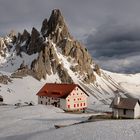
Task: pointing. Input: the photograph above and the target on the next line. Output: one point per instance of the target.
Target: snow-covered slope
(101, 92)
(130, 82)
(25, 89)
(37, 123)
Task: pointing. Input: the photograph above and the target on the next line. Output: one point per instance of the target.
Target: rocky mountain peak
(12, 33)
(56, 51)
(56, 19)
(55, 28)
(25, 35)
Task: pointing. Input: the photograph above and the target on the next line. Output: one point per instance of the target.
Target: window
(74, 105)
(74, 99)
(41, 102)
(46, 97)
(73, 94)
(68, 106)
(84, 104)
(68, 100)
(77, 105)
(81, 104)
(124, 111)
(46, 103)
(48, 100)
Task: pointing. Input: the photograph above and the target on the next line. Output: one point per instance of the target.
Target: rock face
(53, 38)
(22, 41)
(35, 42)
(57, 29)
(62, 72)
(1, 43)
(82, 58)
(97, 70)
(44, 27)
(4, 79)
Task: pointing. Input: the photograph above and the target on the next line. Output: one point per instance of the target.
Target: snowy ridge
(130, 82)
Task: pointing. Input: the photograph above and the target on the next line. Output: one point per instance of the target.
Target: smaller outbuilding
(125, 107)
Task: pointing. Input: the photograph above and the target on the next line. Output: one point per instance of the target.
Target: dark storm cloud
(116, 46)
(112, 39)
(114, 23)
(81, 15)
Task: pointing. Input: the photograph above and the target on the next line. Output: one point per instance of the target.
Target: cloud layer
(112, 26)
(116, 47)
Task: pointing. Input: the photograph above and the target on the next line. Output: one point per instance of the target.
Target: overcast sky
(111, 28)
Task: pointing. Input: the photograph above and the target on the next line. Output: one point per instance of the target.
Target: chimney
(117, 99)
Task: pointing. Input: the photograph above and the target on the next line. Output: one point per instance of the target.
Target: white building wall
(115, 113)
(120, 113)
(137, 111)
(63, 104)
(76, 100)
(47, 100)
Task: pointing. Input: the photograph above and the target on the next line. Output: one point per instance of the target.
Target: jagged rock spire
(44, 27)
(25, 36)
(35, 43)
(56, 27)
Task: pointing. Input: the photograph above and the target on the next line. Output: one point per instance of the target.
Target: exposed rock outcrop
(4, 79)
(97, 70)
(47, 61)
(63, 74)
(82, 58)
(25, 38)
(35, 43)
(57, 28)
(44, 27)
(1, 44)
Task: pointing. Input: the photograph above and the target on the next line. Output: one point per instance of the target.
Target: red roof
(57, 90)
